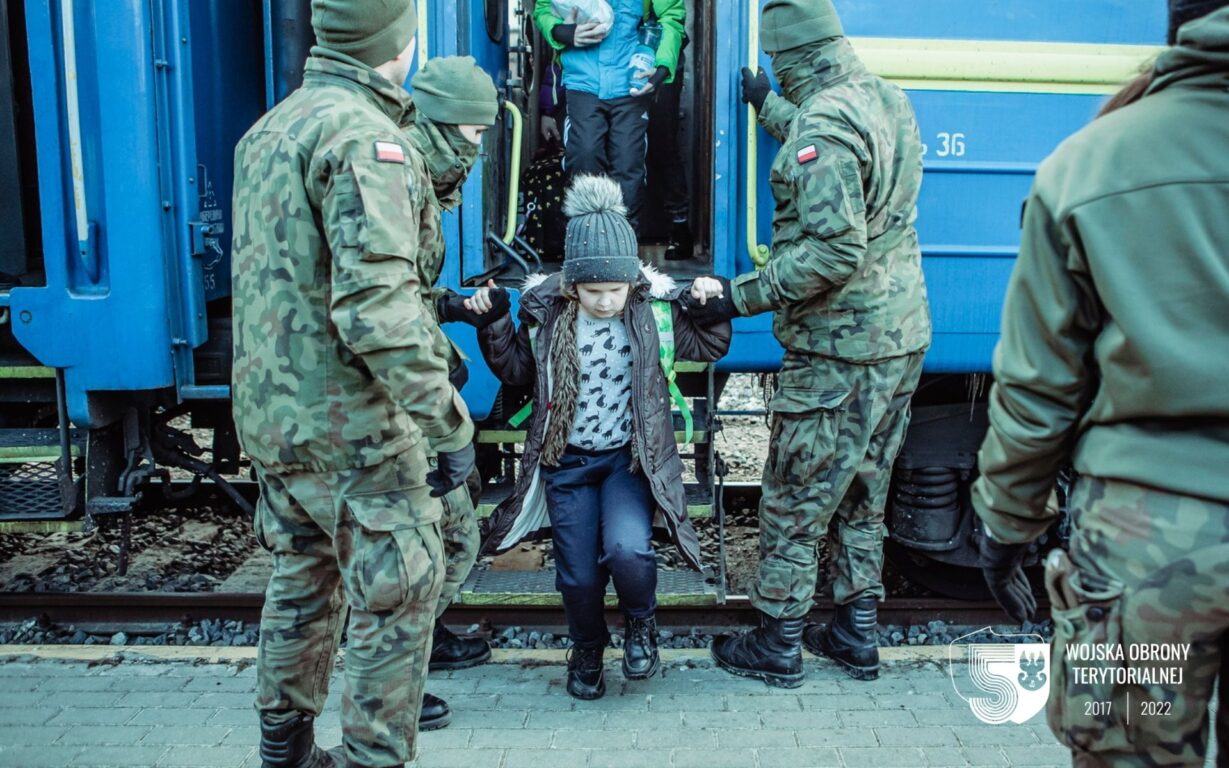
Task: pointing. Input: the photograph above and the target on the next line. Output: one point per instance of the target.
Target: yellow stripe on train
(1003, 65)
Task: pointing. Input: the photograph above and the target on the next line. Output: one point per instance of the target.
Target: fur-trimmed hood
(541, 288)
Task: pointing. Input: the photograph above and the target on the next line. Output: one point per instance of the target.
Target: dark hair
(1182, 11)
(1130, 93)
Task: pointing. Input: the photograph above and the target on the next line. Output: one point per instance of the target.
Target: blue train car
(118, 122)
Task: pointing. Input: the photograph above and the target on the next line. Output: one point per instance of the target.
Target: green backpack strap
(519, 417)
(665, 334)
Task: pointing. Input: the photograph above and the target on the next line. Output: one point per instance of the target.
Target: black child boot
(291, 744)
(640, 656)
(682, 245)
(585, 678)
(772, 653)
(850, 639)
(451, 652)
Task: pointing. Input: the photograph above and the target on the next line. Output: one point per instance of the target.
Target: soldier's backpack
(665, 334)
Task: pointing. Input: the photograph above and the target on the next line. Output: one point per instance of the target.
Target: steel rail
(152, 611)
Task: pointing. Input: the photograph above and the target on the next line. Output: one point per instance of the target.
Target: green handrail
(758, 252)
(514, 181)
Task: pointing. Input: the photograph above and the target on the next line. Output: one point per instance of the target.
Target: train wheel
(954, 581)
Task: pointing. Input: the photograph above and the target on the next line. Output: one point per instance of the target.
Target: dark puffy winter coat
(516, 362)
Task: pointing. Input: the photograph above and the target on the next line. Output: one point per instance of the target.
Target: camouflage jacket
(439, 172)
(335, 355)
(845, 275)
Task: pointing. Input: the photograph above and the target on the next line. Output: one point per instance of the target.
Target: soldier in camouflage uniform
(454, 104)
(845, 281)
(1113, 358)
(339, 393)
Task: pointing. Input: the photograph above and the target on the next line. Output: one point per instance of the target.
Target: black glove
(458, 375)
(1001, 565)
(755, 88)
(717, 309)
(451, 309)
(656, 79)
(451, 470)
(564, 34)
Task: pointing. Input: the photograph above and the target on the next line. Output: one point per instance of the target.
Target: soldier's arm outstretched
(1042, 382)
(825, 181)
(370, 219)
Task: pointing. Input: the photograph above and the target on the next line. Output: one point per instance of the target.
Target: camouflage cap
(787, 24)
(455, 90)
(372, 31)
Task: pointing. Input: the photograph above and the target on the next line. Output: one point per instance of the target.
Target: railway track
(152, 612)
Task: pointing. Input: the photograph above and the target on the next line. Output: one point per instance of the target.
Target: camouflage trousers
(369, 538)
(836, 430)
(1145, 570)
(461, 538)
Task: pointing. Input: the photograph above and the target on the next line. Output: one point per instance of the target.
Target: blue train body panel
(164, 89)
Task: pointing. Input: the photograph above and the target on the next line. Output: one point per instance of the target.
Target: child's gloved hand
(656, 78)
(705, 288)
(710, 301)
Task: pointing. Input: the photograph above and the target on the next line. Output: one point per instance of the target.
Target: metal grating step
(699, 499)
(537, 588)
(30, 480)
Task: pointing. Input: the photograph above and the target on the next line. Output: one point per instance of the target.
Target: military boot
(451, 652)
(435, 713)
(585, 675)
(850, 639)
(291, 744)
(640, 655)
(681, 245)
(772, 653)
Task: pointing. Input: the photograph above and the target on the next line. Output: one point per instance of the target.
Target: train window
(496, 14)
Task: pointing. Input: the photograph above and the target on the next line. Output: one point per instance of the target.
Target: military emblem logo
(1002, 682)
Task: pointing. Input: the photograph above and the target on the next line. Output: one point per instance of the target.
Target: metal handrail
(755, 250)
(514, 170)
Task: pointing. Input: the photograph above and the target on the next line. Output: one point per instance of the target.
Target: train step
(537, 588)
(699, 499)
(31, 498)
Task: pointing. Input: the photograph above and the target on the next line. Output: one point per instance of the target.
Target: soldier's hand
(451, 470)
(480, 310)
(755, 88)
(1002, 567)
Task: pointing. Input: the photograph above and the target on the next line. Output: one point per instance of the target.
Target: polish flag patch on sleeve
(807, 154)
(389, 152)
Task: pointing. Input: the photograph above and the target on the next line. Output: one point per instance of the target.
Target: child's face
(602, 300)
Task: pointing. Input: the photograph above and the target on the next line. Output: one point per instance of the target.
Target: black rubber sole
(629, 675)
(444, 666)
(775, 679)
(589, 695)
(855, 671)
(435, 723)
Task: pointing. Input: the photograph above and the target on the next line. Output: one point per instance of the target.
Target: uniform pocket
(387, 567)
(803, 440)
(1086, 710)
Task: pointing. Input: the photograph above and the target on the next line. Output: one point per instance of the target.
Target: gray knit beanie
(600, 246)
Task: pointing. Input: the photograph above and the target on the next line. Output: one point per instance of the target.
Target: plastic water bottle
(645, 56)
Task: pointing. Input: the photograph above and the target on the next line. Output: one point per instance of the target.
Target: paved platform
(192, 708)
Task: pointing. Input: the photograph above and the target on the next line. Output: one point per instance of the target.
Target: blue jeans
(601, 519)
